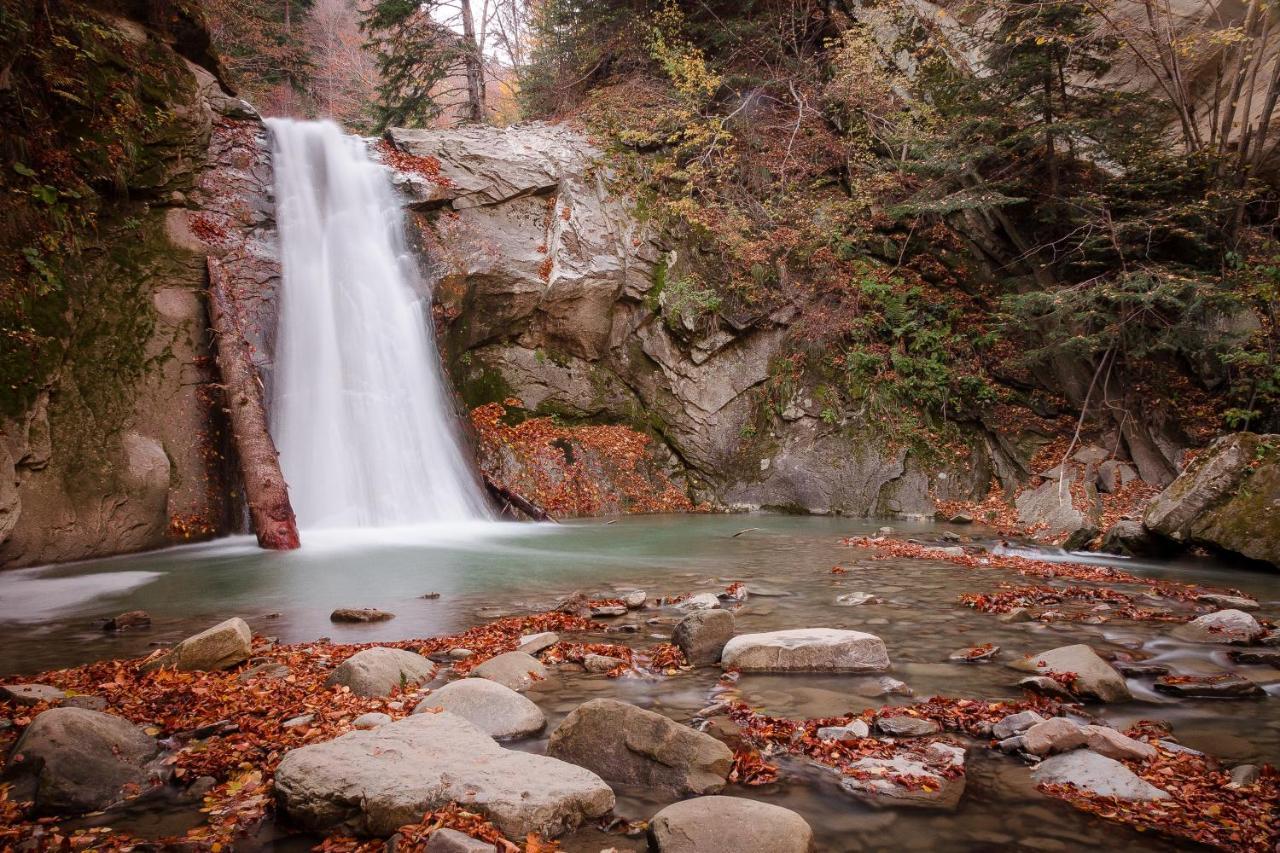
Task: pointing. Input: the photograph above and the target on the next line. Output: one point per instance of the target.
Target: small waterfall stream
(360, 410)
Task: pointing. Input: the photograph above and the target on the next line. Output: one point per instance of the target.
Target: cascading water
(359, 407)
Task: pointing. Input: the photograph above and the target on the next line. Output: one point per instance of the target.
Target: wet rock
(1057, 734)
(766, 591)
(301, 720)
(850, 731)
(363, 614)
(1045, 686)
(1012, 745)
(1225, 499)
(1268, 657)
(224, 645)
(975, 654)
(576, 604)
(1056, 507)
(626, 744)
(1016, 615)
(1015, 724)
(127, 621)
(635, 599)
(1137, 669)
(882, 788)
(608, 610)
(1094, 677)
(1244, 775)
(701, 601)
(429, 596)
(601, 663)
(702, 636)
(961, 518)
(1129, 538)
(729, 825)
(1095, 774)
(1224, 626)
(373, 782)
(1114, 474)
(378, 671)
(445, 840)
(531, 644)
(460, 653)
(853, 599)
(905, 726)
(515, 670)
(882, 686)
(1228, 602)
(498, 711)
(1225, 686)
(725, 730)
(811, 649)
(72, 760)
(371, 720)
(31, 694)
(1113, 744)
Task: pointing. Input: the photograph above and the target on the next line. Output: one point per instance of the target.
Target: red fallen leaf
(839, 570)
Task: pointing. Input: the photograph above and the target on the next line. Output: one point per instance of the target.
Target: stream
(483, 570)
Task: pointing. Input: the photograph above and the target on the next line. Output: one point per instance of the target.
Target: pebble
(635, 599)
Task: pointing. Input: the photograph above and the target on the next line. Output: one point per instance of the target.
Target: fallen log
(264, 487)
(515, 501)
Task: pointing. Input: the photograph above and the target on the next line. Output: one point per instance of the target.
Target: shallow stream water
(48, 618)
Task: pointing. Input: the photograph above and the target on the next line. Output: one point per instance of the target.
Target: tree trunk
(473, 53)
(264, 487)
(515, 501)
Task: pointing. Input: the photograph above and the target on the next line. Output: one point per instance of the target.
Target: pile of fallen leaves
(414, 837)
(423, 167)
(569, 471)
(1046, 602)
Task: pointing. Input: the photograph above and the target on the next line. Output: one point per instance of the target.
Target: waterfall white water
(359, 407)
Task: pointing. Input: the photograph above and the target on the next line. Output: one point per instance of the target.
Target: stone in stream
(1094, 677)
(632, 746)
(1095, 774)
(1056, 734)
(1130, 538)
(1228, 685)
(729, 825)
(1244, 775)
(882, 788)
(361, 614)
(807, 649)
(1138, 669)
(635, 599)
(854, 730)
(531, 644)
(31, 694)
(220, 647)
(445, 840)
(1270, 657)
(601, 663)
(1045, 686)
(515, 670)
(1015, 724)
(901, 725)
(126, 621)
(853, 599)
(702, 636)
(374, 782)
(1228, 602)
(71, 760)
(498, 711)
(701, 601)
(602, 610)
(1113, 744)
(379, 670)
(1223, 626)
(975, 654)
(1017, 614)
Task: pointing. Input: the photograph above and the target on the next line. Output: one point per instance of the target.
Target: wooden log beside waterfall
(264, 486)
(514, 500)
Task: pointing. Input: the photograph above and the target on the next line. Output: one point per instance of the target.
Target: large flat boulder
(807, 649)
(729, 825)
(1221, 626)
(379, 671)
(1228, 499)
(1094, 677)
(1095, 774)
(224, 645)
(633, 746)
(896, 781)
(373, 782)
(498, 711)
(73, 760)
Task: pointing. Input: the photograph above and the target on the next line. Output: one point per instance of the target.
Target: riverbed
(50, 618)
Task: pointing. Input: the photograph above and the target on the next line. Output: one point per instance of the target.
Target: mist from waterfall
(360, 410)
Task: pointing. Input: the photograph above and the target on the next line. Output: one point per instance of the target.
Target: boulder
(702, 636)
(635, 599)
(601, 663)
(1222, 626)
(1094, 677)
(1095, 774)
(975, 654)
(1129, 538)
(445, 840)
(807, 649)
(904, 726)
(531, 644)
(1113, 744)
(1061, 513)
(883, 785)
(498, 711)
(378, 671)
(1114, 474)
(72, 760)
(1228, 602)
(1228, 685)
(126, 621)
(1267, 657)
(224, 645)
(371, 720)
(363, 614)
(1057, 734)
(31, 694)
(701, 601)
(373, 782)
(729, 825)
(515, 670)
(632, 746)
(855, 730)
(1046, 686)
(1228, 499)
(1015, 724)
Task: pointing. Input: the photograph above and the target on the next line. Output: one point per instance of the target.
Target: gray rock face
(498, 711)
(224, 645)
(1015, 724)
(1063, 514)
(1096, 774)
(626, 744)
(1130, 538)
(1095, 678)
(1228, 498)
(373, 782)
(881, 787)
(379, 671)
(729, 825)
(702, 636)
(1112, 474)
(515, 670)
(1224, 626)
(531, 644)
(807, 649)
(32, 694)
(72, 760)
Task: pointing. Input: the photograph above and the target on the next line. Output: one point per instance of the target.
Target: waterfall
(360, 410)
